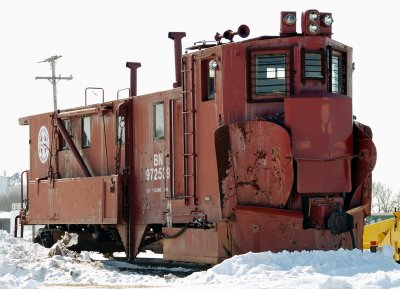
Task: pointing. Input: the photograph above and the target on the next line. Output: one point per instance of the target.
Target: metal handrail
(22, 187)
(98, 88)
(129, 92)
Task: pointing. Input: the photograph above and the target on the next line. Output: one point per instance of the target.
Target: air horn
(243, 31)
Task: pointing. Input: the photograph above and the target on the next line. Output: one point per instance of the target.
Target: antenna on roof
(53, 78)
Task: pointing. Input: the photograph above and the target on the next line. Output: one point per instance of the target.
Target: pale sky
(96, 39)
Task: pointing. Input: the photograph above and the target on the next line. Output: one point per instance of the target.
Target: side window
(86, 133)
(158, 120)
(337, 72)
(208, 68)
(68, 127)
(313, 65)
(120, 130)
(269, 75)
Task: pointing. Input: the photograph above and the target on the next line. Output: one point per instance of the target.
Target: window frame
(205, 80)
(117, 129)
(251, 54)
(68, 128)
(303, 65)
(88, 143)
(342, 70)
(155, 104)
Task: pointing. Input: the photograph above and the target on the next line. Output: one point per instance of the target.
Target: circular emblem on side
(43, 144)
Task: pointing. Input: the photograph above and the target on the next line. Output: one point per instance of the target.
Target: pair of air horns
(243, 31)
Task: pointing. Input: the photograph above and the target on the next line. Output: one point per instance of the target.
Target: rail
(23, 206)
(93, 88)
(22, 187)
(16, 226)
(189, 134)
(123, 89)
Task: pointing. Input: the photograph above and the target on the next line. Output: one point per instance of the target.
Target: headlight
(212, 65)
(327, 20)
(313, 28)
(313, 15)
(289, 19)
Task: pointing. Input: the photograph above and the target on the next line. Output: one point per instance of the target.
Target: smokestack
(133, 66)
(177, 37)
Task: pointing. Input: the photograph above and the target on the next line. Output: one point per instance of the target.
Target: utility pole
(53, 79)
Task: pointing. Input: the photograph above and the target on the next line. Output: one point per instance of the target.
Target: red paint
(233, 171)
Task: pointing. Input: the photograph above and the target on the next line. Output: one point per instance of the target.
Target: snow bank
(27, 266)
(340, 269)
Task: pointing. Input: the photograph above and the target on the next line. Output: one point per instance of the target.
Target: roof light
(327, 20)
(289, 19)
(313, 28)
(313, 15)
(212, 65)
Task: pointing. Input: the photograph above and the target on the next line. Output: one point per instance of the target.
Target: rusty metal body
(254, 149)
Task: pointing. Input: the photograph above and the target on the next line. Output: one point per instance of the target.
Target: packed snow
(28, 266)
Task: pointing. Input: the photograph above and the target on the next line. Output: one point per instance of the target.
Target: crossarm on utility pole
(53, 78)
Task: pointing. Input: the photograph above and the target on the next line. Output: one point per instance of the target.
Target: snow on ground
(27, 266)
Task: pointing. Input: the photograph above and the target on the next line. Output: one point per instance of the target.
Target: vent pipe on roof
(177, 37)
(133, 66)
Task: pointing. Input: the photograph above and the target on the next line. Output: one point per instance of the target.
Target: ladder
(189, 132)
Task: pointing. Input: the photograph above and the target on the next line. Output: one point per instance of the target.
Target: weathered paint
(235, 172)
(95, 200)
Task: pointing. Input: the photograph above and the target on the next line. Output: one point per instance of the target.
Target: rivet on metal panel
(256, 228)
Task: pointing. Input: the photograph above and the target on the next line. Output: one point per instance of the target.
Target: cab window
(86, 132)
(208, 68)
(337, 72)
(68, 127)
(120, 130)
(313, 66)
(269, 75)
(158, 120)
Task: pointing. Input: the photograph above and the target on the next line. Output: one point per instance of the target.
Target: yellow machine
(384, 233)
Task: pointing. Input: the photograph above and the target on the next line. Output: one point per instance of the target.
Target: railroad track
(155, 266)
